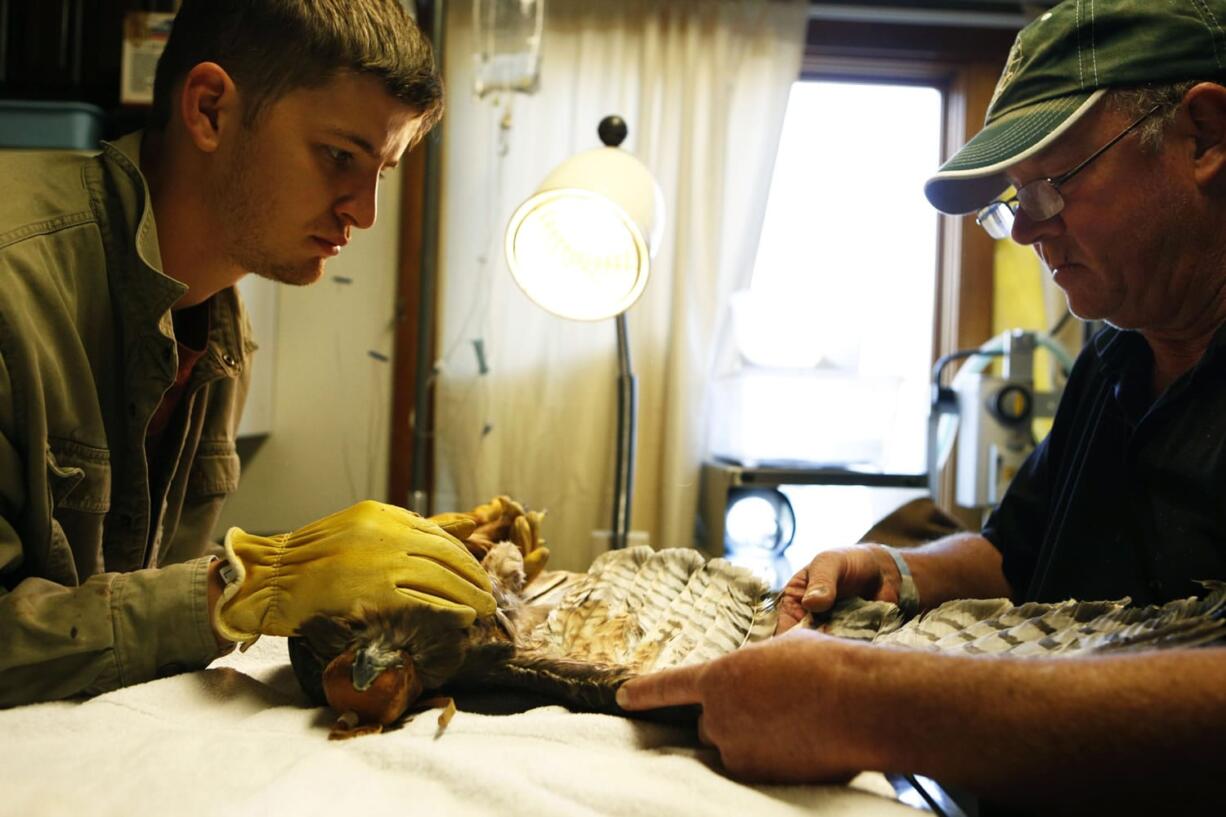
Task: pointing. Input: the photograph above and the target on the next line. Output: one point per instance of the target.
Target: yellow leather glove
(371, 554)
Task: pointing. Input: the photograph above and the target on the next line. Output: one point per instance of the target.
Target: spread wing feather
(997, 627)
(636, 611)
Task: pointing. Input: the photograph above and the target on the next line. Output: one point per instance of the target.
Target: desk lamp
(580, 247)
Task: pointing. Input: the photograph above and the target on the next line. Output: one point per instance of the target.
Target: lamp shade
(581, 245)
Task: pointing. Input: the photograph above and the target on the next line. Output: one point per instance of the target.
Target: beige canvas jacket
(102, 585)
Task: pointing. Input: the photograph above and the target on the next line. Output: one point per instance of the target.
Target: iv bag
(508, 45)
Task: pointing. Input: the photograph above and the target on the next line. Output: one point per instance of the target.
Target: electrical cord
(928, 798)
(1064, 319)
(944, 360)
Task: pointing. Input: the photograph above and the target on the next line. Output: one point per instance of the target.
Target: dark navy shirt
(1126, 496)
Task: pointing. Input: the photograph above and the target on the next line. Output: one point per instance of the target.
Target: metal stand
(627, 412)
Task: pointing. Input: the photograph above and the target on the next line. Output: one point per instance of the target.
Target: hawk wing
(998, 627)
(635, 611)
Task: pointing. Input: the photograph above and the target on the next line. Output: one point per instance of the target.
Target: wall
(330, 395)
(1025, 298)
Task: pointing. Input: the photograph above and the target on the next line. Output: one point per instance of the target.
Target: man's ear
(208, 104)
(1206, 107)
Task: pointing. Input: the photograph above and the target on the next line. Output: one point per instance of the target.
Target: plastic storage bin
(40, 125)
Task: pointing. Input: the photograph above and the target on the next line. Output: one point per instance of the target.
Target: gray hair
(1135, 101)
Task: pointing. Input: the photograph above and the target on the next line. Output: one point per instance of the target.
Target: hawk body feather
(634, 611)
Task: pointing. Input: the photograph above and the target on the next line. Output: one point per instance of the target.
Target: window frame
(963, 63)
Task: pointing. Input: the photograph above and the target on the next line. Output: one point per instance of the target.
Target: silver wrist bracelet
(908, 596)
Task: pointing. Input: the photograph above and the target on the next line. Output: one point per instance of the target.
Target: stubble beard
(298, 275)
(242, 210)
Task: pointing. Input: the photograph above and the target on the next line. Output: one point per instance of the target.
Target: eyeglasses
(1041, 198)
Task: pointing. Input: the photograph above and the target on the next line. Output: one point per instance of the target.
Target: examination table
(240, 739)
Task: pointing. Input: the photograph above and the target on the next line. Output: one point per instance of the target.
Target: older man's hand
(771, 709)
(866, 571)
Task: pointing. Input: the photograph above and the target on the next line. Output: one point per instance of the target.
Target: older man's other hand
(771, 709)
(866, 571)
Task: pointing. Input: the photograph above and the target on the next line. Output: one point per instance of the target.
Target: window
(836, 329)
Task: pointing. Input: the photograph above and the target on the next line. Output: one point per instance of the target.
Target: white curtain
(525, 400)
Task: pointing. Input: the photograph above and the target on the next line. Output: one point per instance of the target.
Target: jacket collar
(125, 152)
(150, 292)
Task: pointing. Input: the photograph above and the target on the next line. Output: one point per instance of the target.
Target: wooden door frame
(410, 464)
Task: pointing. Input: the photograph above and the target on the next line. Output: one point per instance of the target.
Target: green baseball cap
(1061, 64)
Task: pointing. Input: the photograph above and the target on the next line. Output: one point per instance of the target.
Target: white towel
(240, 739)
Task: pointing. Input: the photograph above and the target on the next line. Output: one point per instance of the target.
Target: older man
(1105, 149)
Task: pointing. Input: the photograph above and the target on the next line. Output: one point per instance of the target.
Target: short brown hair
(272, 47)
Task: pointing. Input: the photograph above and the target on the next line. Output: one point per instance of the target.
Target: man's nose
(358, 207)
(1027, 230)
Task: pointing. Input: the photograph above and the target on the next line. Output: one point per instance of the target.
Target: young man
(125, 352)
(1110, 123)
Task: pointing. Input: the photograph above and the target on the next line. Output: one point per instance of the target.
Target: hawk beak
(366, 669)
